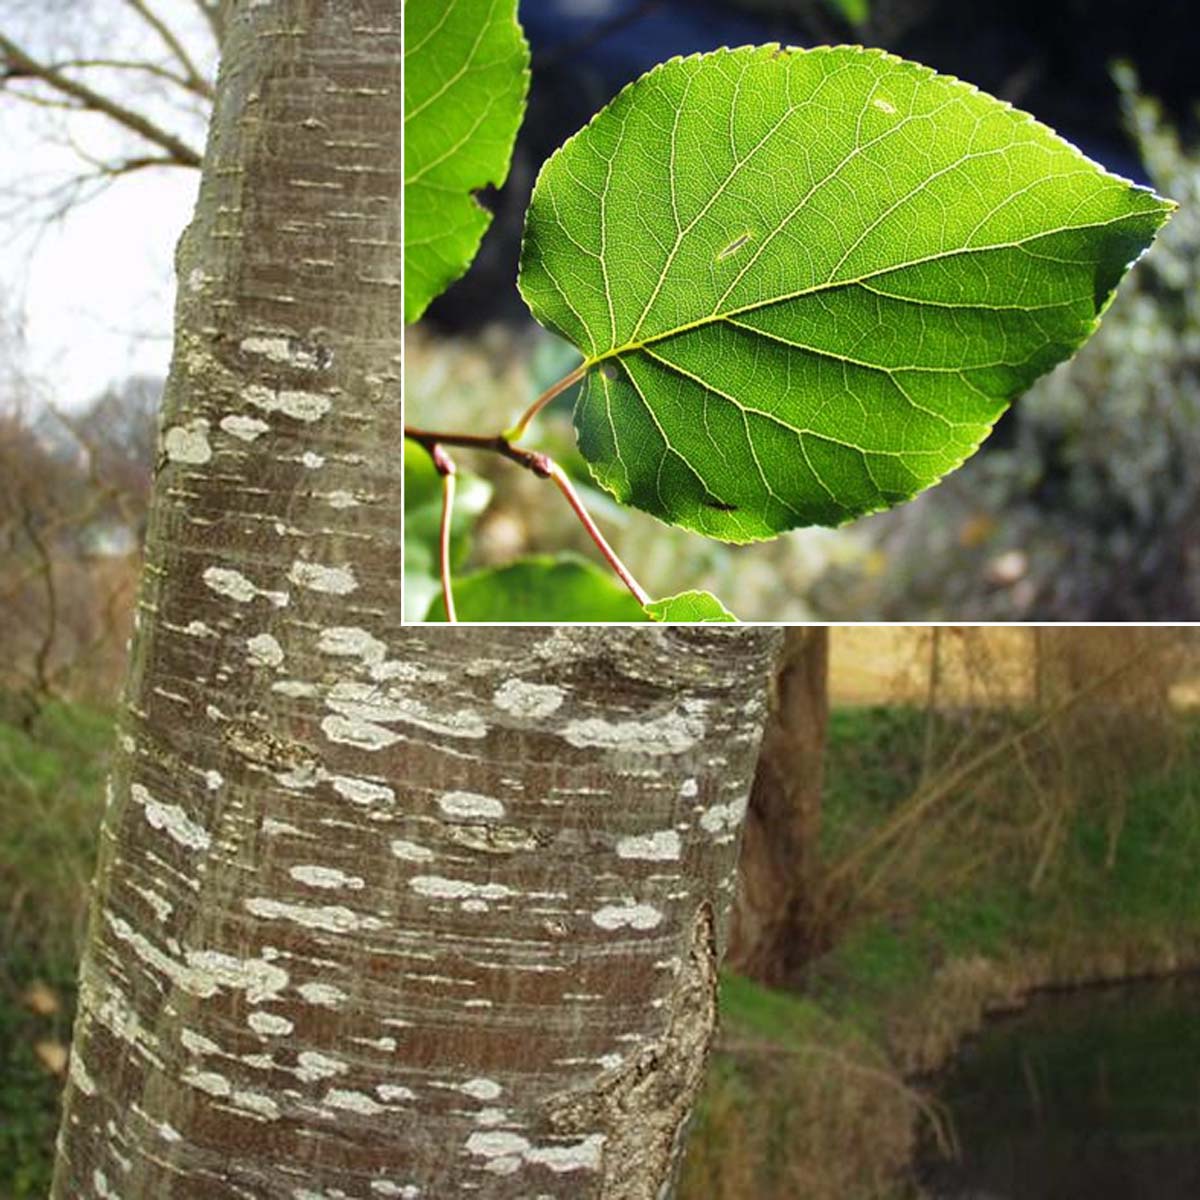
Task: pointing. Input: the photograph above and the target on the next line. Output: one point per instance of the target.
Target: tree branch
(195, 81)
(22, 64)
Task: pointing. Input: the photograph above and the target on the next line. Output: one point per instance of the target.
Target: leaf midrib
(832, 284)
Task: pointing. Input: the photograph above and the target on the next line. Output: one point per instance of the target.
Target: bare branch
(120, 64)
(195, 81)
(23, 65)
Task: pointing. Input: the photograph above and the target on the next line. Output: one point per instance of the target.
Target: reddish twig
(543, 466)
(444, 465)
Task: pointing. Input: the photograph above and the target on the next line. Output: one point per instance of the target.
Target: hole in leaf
(720, 505)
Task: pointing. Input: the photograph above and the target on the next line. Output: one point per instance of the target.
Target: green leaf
(541, 588)
(466, 75)
(689, 608)
(807, 282)
(422, 525)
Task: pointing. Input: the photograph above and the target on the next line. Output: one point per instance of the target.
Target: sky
(92, 291)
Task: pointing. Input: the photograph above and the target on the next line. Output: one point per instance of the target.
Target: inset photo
(775, 311)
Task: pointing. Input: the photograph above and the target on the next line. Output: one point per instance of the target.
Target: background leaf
(466, 75)
(688, 608)
(809, 281)
(541, 588)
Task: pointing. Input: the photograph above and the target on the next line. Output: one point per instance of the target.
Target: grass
(821, 1109)
(51, 787)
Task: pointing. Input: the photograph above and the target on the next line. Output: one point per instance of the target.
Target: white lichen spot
(351, 1101)
(506, 1152)
(198, 629)
(394, 1092)
(271, 826)
(723, 818)
(663, 846)
(395, 1191)
(362, 709)
(296, 688)
(196, 280)
(168, 1133)
(362, 791)
(303, 406)
(352, 642)
(411, 851)
(79, 1075)
(341, 499)
(365, 735)
(672, 733)
(208, 1081)
(259, 978)
(213, 780)
(326, 877)
(324, 995)
(689, 788)
(627, 916)
(334, 918)
(481, 1089)
(312, 460)
(257, 1103)
(436, 887)
(491, 1117)
(235, 586)
(197, 1043)
(101, 1186)
(336, 581)
(171, 819)
(313, 1065)
(269, 1024)
(245, 429)
(188, 443)
(281, 350)
(470, 806)
(263, 650)
(528, 700)
(160, 904)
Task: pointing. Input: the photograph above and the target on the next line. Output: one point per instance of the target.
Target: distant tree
(773, 917)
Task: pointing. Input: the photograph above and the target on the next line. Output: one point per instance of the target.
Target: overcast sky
(93, 290)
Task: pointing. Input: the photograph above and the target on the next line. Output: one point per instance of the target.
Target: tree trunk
(772, 928)
(378, 912)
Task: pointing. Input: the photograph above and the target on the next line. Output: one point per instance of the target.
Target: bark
(773, 927)
(452, 928)
(378, 912)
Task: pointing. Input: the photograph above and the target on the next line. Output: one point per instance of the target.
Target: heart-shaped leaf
(807, 282)
(466, 73)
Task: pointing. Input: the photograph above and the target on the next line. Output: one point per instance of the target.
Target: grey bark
(458, 937)
(379, 912)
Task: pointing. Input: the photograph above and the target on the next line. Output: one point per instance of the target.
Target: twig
(543, 466)
(444, 465)
(518, 430)
(195, 82)
(559, 476)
